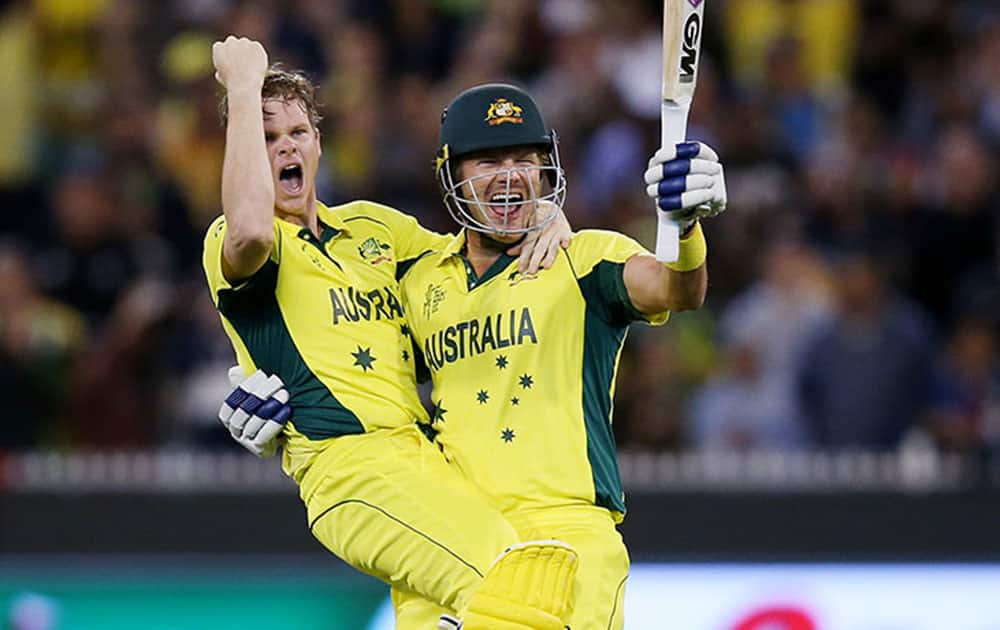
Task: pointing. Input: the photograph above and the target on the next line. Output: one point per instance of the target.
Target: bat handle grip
(668, 238)
(673, 121)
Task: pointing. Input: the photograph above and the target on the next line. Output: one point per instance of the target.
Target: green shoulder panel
(256, 317)
(604, 291)
(602, 343)
(403, 266)
(598, 258)
(606, 322)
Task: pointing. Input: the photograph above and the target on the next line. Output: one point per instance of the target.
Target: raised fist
(239, 63)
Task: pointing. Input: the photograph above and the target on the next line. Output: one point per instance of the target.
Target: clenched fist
(239, 63)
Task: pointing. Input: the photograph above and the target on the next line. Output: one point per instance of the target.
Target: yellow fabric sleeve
(212, 256)
(411, 238)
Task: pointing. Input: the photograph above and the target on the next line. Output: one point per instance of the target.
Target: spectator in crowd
(732, 412)
(85, 262)
(117, 359)
(863, 377)
(39, 341)
(21, 122)
(959, 227)
(752, 403)
(964, 406)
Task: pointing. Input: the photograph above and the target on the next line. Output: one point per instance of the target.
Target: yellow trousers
(600, 578)
(388, 504)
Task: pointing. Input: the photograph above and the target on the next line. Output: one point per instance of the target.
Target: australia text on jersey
(475, 336)
(353, 304)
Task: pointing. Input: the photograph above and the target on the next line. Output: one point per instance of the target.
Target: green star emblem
(482, 396)
(527, 381)
(439, 412)
(515, 401)
(507, 435)
(501, 361)
(363, 357)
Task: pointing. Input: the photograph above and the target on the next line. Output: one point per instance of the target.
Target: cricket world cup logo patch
(503, 111)
(432, 299)
(374, 251)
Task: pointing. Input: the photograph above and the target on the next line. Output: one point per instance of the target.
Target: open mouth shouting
(290, 179)
(505, 207)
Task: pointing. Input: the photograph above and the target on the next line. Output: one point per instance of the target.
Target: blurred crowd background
(854, 297)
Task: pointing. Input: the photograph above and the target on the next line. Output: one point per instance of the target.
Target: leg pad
(529, 587)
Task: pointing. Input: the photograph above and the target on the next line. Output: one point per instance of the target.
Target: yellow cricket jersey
(524, 368)
(325, 315)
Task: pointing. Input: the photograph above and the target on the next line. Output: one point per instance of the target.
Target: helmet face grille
(502, 216)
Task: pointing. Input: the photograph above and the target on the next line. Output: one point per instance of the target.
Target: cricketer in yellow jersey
(523, 365)
(310, 294)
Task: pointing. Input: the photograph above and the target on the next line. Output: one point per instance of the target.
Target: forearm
(687, 289)
(247, 185)
(654, 287)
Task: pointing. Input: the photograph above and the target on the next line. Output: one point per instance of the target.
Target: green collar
(455, 248)
(326, 234)
(495, 269)
(328, 217)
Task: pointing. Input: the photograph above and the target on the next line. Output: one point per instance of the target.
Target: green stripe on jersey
(403, 266)
(603, 341)
(254, 313)
(498, 266)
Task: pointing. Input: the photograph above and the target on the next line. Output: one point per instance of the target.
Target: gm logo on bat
(689, 47)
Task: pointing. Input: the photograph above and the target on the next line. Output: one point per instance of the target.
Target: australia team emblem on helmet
(503, 111)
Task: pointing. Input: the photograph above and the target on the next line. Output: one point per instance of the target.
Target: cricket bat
(682, 22)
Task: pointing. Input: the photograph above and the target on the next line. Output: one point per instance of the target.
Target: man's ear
(319, 142)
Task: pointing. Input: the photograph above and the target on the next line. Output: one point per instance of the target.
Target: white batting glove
(687, 183)
(256, 411)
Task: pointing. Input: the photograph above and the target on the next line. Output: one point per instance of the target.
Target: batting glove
(256, 411)
(687, 183)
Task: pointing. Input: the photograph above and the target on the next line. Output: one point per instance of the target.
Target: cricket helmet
(494, 116)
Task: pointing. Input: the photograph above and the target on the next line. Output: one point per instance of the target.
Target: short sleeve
(212, 260)
(412, 240)
(599, 258)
